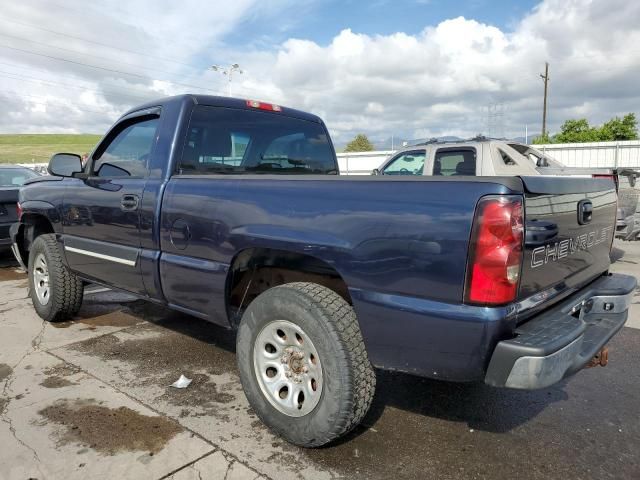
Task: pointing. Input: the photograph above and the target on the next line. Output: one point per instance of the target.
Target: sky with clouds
(407, 68)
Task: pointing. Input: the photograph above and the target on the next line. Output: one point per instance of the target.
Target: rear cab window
(224, 140)
(455, 161)
(537, 158)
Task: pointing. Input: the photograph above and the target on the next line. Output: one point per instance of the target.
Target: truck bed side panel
(387, 239)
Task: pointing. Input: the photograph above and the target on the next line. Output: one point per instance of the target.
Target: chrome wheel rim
(41, 279)
(287, 367)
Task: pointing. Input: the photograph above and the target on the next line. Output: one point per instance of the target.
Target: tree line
(580, 131)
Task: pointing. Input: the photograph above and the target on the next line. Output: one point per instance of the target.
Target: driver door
(101, 230)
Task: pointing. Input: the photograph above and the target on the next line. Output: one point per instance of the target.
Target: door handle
(129, 202)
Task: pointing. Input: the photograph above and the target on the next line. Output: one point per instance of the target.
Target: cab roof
(216, 101)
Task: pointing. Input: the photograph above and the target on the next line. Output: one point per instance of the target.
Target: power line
(112, 70)
(136, 75)
(16, 76)
(128, 90)
(94, 42)
(48, 45)
(46, 103)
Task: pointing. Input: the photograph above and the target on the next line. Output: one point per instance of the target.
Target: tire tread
(346, 325)
(67, 289)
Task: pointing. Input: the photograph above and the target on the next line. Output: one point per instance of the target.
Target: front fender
(42, 209)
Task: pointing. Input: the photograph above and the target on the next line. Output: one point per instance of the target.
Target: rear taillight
(19, 211)
(495, 251)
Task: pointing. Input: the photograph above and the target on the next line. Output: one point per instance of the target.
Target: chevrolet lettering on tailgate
(552, 252)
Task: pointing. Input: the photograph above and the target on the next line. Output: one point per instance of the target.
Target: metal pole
(545, 77)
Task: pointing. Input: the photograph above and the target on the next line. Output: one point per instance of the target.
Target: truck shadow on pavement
(616, 254)
(477, 405)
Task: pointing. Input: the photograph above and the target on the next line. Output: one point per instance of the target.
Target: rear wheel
(303, 364)
(56, 292)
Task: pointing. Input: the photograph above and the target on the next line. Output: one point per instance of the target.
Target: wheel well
(33, 225)
(255, 270)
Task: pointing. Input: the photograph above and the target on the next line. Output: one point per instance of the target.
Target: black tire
(349, 379)
(65, 289)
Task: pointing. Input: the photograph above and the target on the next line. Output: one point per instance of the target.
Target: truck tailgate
(569, 227)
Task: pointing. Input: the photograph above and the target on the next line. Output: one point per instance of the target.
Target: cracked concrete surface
(33, 382)
(121, 354)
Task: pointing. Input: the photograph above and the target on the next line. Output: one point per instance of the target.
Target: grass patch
(38, 148)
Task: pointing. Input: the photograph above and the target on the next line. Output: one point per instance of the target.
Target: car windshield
(15, 177)
(233, 141)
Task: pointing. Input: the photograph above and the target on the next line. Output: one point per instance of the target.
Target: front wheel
(303, 363)
(56, 292)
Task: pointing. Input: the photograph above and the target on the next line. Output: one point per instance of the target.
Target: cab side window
(408, 163)
(128, 152)
(450, 162)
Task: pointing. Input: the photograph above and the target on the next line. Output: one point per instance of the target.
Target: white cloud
(440, 81)
(158, 48)
(437, 82)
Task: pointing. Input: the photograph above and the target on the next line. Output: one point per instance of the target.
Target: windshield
(236, 141)
(15, 177)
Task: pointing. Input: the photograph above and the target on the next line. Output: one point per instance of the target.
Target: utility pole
(228, 71)
(495, 120)
(545, 78)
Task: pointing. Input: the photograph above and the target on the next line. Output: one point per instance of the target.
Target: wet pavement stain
(62, 370)
(109, 430)
(11, 274)
(97, 304)
(202, 393)
(118, 318)
(5, 371)
(177, 345)
(56, 382)
(161, 350)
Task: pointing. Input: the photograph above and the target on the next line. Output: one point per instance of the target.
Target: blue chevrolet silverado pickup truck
(233, 211)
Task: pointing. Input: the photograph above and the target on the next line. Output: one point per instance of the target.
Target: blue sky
(321, 20)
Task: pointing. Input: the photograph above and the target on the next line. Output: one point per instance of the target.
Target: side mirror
(65, 164)
(375, 171)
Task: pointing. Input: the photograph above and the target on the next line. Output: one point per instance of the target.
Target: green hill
(38, 148)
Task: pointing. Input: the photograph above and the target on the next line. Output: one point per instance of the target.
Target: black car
(12, 177)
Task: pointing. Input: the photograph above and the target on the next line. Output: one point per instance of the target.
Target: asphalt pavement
(90, 398)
